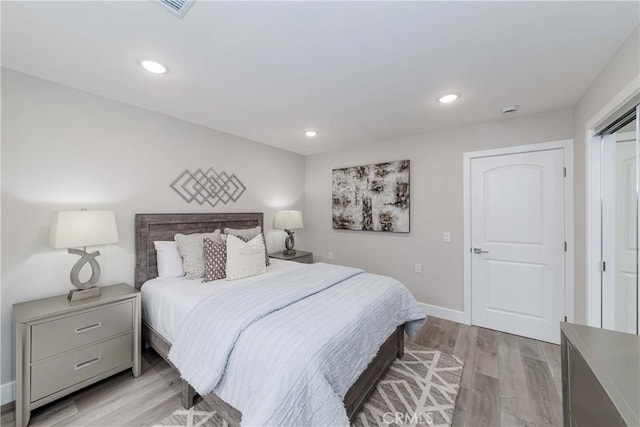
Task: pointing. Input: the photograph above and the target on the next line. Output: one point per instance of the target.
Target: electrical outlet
(418, 268)
(446, 237)
(330, 255)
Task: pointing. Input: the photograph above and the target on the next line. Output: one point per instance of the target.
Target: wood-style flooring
(121, 400)
(507, 381)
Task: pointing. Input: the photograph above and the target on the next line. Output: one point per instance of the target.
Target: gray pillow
(248, 234)
(192, 249)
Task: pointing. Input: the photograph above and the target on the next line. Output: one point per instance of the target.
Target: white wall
(65, 149)
(623, 67)
(436, 203)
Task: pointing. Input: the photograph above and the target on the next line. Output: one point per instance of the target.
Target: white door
(619, 237)
(626, 239)
(518, 250)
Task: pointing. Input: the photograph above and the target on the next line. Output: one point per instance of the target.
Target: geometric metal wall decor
(372, 197)
(208, 187)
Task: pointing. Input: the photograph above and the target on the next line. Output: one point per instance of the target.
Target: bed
(153, 227)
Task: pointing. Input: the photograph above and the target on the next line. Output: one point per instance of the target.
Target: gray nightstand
(63, 346)
(300, 256)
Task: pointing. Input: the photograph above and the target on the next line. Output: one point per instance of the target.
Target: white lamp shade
(75, 229)
(288, 220)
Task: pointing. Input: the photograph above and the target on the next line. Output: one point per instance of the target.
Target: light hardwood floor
(507, 381)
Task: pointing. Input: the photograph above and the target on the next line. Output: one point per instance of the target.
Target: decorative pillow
(244, 259)
(192, 250)
(248, 234)
(169, 260)
(215, 260)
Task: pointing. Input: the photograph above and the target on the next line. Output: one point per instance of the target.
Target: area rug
(418, 390)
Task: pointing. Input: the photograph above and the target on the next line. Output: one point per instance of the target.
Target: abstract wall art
(208, 187)
(372, 197)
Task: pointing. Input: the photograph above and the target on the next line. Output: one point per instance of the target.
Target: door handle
(479, 251)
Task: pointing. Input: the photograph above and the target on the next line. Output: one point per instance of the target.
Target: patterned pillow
(215, 260)
(247, 234)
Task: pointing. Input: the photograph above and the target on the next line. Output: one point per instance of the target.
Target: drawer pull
(87, 363)
(89, 328)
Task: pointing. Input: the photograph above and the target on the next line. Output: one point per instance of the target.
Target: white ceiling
(357, 72)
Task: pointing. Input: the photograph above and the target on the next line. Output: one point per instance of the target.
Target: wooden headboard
(152, 227)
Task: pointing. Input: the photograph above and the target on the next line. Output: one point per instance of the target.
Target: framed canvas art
(372, 197)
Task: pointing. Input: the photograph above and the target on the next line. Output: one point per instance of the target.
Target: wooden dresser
(600, 377)
(62, 346)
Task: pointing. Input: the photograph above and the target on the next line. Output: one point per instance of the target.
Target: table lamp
(288, 220)
(75, 230)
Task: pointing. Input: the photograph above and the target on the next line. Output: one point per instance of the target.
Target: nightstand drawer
(64, 371)
(67, 333)
(306, 259)
(300, 256)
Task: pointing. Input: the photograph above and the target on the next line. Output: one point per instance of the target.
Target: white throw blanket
(284, 350)
(202, 359)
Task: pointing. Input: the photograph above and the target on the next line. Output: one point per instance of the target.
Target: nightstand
(300, 256)
(63, 346)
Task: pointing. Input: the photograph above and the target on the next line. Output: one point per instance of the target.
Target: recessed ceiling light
(153, 67)
(311, 133)
(449, 98)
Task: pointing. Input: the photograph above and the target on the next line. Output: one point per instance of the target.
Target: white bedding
(290, 344)
(166, 302)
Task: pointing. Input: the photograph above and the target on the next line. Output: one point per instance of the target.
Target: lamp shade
(288, 220)
(75, 229)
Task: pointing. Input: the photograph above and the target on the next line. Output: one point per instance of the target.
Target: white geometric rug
(418, 390)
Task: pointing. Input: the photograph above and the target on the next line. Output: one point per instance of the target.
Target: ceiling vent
(177, 7)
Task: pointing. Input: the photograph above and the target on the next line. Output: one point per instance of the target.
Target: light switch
(446, 237)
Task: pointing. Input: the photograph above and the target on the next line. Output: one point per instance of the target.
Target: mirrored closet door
(619, 209)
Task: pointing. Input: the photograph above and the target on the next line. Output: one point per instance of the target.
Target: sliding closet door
(620, 229)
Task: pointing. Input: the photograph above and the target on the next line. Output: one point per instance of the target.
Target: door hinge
(604, 266)
(565, 246)
(564, 172)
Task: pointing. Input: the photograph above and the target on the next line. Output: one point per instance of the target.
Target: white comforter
(285, 348)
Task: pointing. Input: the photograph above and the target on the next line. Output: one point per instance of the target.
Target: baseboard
(444, 313)
(7, 393)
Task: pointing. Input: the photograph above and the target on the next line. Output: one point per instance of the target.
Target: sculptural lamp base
(80, 294)
(86, 289)
(289, 241)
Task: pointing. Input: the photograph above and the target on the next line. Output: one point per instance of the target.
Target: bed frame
(152, 227)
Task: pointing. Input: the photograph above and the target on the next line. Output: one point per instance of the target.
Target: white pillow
(244, 259)
(248, 234)
(169, 261)
(192, 250)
